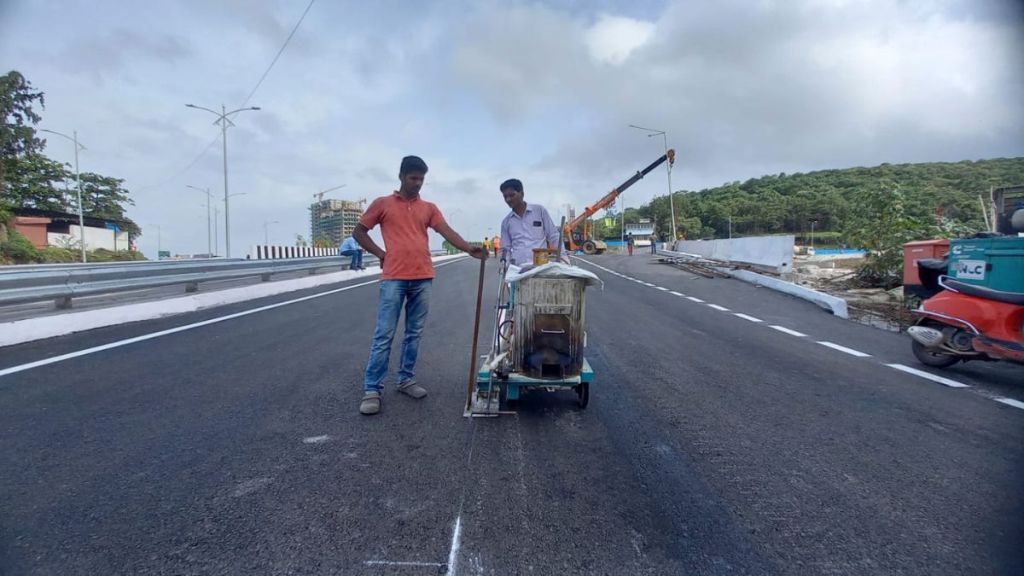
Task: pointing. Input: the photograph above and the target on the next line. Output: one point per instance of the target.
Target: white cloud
(491, 90)
(613, 38)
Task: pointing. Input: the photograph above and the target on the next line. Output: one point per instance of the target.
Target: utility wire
(247, 98)
(279, 52)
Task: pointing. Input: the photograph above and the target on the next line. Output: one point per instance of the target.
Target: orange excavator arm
(610, 197)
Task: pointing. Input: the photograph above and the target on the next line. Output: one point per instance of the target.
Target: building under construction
(333, 220)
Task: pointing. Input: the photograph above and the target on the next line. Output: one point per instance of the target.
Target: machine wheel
(930, 358)
(583, 393)
(505, 402)
(589, 248)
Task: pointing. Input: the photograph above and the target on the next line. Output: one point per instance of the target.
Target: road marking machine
(538, 338)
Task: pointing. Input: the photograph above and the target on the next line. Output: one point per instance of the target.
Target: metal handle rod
(476, 333)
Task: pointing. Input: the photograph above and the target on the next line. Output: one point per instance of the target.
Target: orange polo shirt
(404, 223)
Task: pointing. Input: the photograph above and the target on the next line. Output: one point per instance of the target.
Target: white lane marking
(717, 307)
(692, 299)
(1011, 402)
(674, 293)
(926, 375)
(785, 330)
(453, 555)
(396, 563)
(144, 337)
(648, 284)
(316, 439)
(849, 351)
(662, 289)
(745, 317)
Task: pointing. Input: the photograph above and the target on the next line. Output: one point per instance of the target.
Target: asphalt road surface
(782, 441)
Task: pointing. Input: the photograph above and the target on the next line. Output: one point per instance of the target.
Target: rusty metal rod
(476, 334)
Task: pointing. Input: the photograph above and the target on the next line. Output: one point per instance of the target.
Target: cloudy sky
(542, 91)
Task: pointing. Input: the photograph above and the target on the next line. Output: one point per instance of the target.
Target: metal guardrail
(63, 282)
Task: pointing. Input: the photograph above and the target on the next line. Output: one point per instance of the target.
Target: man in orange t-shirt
(406, 276)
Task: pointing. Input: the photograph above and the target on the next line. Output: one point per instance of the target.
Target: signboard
(969, 269)
(163, 254)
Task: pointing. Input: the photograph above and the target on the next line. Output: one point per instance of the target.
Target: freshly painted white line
(849, 351)
(1011, 402)
(144, 337)
(717, 307)
(692, 299)
(674, 293)
(453, 554)
(648, 284)
(316, 439)
(394, 563)
(745, 317)
(926, 375)
(785, 330)
(662, 289)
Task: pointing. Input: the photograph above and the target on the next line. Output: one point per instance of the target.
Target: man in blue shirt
(526, 227)
(351, 248)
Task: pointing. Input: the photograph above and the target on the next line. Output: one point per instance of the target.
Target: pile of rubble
(875, 306)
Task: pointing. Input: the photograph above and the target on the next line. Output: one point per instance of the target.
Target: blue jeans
(357, 258)
(415, 296)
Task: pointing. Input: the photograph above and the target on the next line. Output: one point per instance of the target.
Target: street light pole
(668, 170)
(208, 223)
(216, 233)
(266, 226)
(224, 121)
(78, 180)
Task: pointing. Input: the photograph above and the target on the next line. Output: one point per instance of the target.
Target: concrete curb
(31, 329)
(833, 304)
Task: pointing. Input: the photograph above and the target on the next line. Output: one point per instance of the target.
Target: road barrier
(64, 282)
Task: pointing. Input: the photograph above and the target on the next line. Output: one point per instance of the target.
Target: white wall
(775, 252)
(95, 238)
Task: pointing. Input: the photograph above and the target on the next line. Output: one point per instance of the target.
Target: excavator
(583, 240)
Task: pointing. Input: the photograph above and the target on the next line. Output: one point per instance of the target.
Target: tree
(323, 241)
(882, 226)
(103, 197)
(17, 135)
(34, 181)
(17, 98)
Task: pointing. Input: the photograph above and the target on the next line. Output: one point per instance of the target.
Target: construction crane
(320, 195)
(576, 239)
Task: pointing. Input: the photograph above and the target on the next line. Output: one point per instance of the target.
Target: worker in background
(629, 243)
(654, 243)
(351, 248)
(407, 274)
(526, 227)
(496, 245)
(487, 244)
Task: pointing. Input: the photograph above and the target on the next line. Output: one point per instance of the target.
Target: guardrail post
(63, 303)
(192, 287)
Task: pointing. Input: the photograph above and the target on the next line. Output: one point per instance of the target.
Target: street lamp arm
(215, 113)
(656, 132)
(226, 114)
(62, 135)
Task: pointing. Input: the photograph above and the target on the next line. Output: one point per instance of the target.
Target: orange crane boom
(589, 245)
